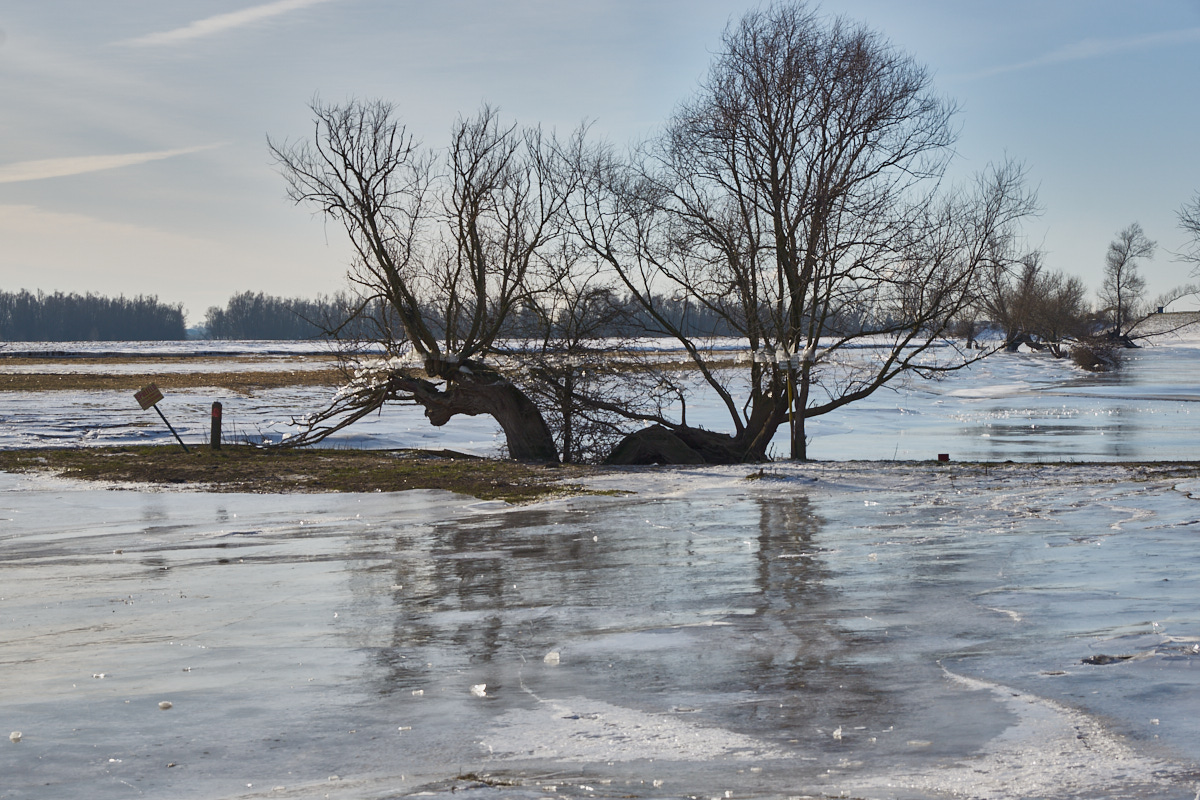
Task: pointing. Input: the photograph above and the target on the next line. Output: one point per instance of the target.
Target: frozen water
(1024, 407)
(875, 630)
(713, 635)
(56, 419)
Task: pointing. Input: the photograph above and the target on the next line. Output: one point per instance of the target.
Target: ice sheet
(1024, 407)
(880, 631)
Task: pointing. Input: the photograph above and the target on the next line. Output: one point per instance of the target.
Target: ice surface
(713, 633)
(1050, 751)
(1024, 407)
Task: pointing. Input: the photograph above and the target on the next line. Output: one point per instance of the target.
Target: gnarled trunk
(475, 390)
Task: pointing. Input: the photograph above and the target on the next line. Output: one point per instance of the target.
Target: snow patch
(579, 729)
(1051, 751)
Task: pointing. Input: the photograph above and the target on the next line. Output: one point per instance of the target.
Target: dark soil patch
(242, 468)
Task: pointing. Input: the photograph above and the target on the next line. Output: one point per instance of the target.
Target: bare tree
(1035, 306)
(1189, 221)
(443, 247)
(1062, 316)
(1124, 287)
(798, 197)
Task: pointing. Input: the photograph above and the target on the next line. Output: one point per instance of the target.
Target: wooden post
(215, 439)
(172, 427)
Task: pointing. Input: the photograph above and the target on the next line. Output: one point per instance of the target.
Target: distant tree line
(255, 315)
(251, 315)
(58, 317)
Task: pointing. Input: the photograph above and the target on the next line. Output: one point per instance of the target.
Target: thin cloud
(79, 165)
(222, 22)
(1097, 48)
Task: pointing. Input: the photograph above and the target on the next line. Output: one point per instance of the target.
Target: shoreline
(245, 468)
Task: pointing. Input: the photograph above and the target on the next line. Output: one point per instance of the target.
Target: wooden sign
(148, 396)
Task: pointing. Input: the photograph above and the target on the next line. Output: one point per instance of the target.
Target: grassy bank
(22, 374)
(247, 469)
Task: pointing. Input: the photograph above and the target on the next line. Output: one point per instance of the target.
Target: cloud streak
(220, 23)
(1097, 48)
(80, 165)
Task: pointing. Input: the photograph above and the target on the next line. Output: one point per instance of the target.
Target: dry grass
(243, 468)
(243, 382)
(240, 382)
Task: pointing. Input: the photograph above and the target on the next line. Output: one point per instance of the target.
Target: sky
(133, 133)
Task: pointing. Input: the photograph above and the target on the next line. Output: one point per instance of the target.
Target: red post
(215, 439)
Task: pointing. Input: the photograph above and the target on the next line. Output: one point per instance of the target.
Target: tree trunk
(568, 416)
(525, 431)
(687, 445)
(800, 403)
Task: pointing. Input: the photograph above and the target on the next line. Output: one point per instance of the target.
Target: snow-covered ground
(835, 629)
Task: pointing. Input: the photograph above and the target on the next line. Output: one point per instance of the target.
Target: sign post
(149, 396)
(215, 434)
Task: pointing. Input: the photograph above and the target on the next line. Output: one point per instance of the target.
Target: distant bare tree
(1175, 293)
(1036, 306)
(1064, 315)
(1189, 221)
(798, 199)
(1124, 288)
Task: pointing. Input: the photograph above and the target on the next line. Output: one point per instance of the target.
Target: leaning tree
(799, 198)
(443, 248)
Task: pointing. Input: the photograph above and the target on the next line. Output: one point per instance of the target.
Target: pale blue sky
(132, 132)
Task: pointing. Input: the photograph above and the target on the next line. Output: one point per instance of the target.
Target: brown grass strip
(242, 468)
(241, 382)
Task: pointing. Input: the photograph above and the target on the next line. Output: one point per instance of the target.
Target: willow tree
(799, 196)
(443, 248)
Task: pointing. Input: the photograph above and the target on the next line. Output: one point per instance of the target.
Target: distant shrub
(1097, 354)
